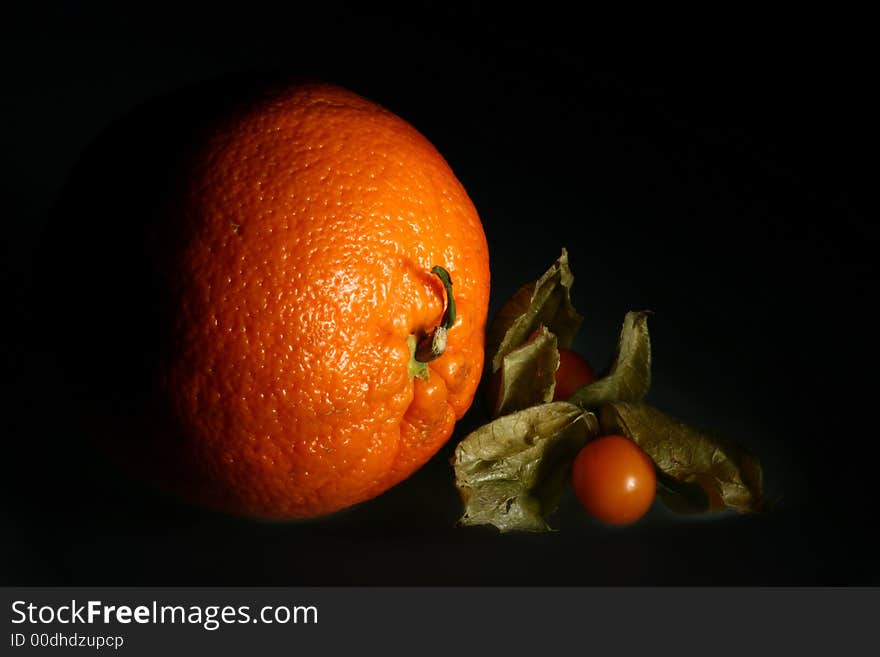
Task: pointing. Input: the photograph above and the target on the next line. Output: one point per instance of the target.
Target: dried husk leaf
(528, 374)
(511, 472)
(546, 301)
(729, 476)
(629, 378)
(681, 496)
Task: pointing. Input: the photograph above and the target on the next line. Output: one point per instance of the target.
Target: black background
(729, 196)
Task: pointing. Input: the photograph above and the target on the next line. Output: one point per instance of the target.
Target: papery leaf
(511, 472)
(729, 476)
(527, 375)
(681, 496)
(546, 301)
(629, 378)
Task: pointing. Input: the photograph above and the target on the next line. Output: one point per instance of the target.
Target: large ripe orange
(298, 264)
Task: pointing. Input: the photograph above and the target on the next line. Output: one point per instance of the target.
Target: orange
(298, 269)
